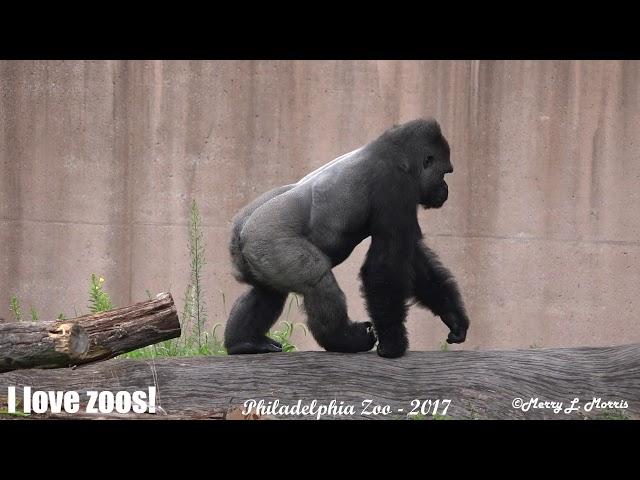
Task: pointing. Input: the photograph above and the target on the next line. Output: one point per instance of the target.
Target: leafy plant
(34, 314)
(444, 346)
(195, 308)
(16, 310)
(195, 340)
(284, 336)
(99, 300)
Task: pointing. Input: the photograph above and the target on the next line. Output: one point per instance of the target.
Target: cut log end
(70, 339)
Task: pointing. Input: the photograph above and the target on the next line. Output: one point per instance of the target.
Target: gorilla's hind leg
(296, 265)
(328, 321)
(251, 317)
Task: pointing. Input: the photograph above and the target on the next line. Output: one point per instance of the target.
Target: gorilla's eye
(427, 161)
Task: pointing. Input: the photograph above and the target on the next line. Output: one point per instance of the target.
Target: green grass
(185, 346)
(210, 344)
(4, 411)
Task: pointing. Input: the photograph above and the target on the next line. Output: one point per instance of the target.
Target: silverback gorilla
(290, 238)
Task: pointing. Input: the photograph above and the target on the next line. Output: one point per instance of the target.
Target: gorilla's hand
(356, 337)
(457, 337)
(458, 325)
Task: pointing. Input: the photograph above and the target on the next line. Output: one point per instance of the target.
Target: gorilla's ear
(408, 165)
(404, 164)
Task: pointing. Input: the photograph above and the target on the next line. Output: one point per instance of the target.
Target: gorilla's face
(435, 164)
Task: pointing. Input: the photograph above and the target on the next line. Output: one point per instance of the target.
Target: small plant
(474, 415)
(615, 414)
(216, 346)
(444, 346)
(16, 310)
(224, 303)
(284, 336)
(4, 409)
(441, 417)
(99, 300)
(17, 413)
(62, 317)
(34, 314)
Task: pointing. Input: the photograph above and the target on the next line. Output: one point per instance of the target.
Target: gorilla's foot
(261, 345)
(359, 337)
(393, 346)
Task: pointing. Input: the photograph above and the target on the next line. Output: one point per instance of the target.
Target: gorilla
(290, 238)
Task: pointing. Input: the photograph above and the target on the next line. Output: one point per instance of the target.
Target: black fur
(290, 238)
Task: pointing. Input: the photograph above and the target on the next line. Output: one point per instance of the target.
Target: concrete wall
(99, 161)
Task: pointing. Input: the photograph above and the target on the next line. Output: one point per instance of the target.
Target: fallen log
(41, 344)
(103, 335)
(479, 384)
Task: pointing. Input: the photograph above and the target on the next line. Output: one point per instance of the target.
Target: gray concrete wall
(99, 161)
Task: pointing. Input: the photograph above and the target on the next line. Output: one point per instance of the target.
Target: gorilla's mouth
(437, 196)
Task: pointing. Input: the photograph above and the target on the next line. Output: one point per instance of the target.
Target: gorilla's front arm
(386, 284)
(387, 270)
(390, 277)
(436, 289)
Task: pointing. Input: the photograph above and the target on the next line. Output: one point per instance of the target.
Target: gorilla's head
(422, 152)
(435, 164)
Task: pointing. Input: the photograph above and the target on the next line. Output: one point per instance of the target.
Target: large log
(106, 335)
(480, 384)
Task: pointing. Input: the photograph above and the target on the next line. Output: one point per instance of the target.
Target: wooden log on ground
(41, 344)
(480, 384)
(109, 334)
